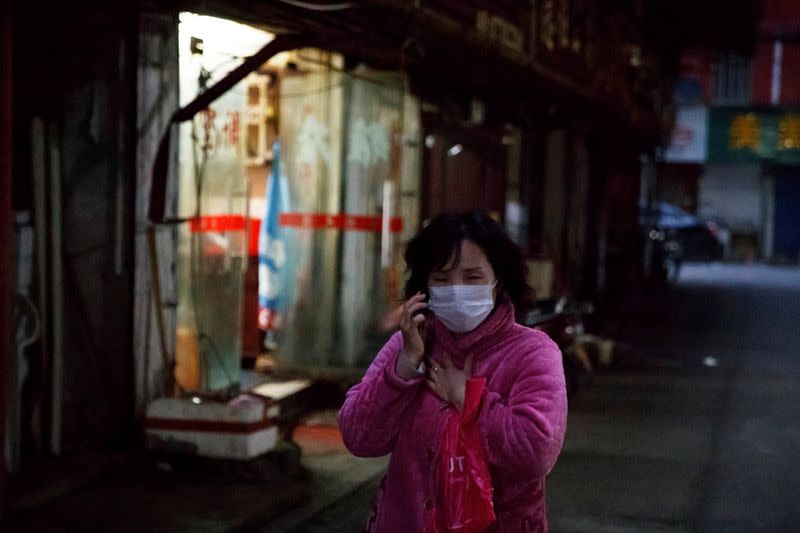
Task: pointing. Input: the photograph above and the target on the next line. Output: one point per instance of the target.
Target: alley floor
(698, 430)
(696, 427)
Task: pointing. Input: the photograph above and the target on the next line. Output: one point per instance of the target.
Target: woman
(466, 276)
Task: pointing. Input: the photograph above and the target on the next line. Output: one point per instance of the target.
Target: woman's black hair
(438, 243)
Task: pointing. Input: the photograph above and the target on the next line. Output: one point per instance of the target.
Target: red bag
(464, 500)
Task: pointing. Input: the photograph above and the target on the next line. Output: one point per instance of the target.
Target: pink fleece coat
(522, 421)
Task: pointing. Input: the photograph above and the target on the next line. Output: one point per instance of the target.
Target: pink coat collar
(489, 332)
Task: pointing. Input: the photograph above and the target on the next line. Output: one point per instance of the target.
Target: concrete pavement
(706, 438)
(698, 430)
(695, 428)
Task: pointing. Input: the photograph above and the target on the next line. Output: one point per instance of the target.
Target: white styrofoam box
(242, 428)
(281, 389)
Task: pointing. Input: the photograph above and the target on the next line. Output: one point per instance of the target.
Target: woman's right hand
(410, 325)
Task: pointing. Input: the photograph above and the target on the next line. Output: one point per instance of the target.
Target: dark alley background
(204, 206)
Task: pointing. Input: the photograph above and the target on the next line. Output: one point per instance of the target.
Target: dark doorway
(787, 213)
(464, 167)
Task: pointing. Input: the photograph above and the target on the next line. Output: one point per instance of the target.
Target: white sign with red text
(690, 136)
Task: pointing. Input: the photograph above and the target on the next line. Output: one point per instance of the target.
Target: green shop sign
(750, 135)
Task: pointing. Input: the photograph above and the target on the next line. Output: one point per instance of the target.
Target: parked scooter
(563, 320)
(665, 257)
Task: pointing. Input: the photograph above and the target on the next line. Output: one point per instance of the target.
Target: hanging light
(455, 150)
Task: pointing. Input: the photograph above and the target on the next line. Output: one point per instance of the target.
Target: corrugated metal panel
(732, 192)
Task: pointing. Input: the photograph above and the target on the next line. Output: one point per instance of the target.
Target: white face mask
(461, 307)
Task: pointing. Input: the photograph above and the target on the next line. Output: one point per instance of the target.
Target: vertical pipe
(730, 80)
(122, 160)
(777, 64)
(386, 235)
(6, 154)
(167, 385)
(567, 191)
(130, 85)
(768, 214)
(57, 289)
(22, 274)
(646, 186)
(38, 163)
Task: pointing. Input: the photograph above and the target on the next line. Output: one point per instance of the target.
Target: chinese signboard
(563, 37)
(741, 135)
(577, 41)
(504, 23)
(689, 136)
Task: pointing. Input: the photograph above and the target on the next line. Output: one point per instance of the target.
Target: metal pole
(57, 273)
(6, 154)
(39, 172)
(167, 387)
(777, 64)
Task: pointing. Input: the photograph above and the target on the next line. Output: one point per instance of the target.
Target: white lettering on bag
(460, 460)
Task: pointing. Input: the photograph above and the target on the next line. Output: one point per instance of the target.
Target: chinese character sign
(744, 132)
(789, 132)
(754, 135)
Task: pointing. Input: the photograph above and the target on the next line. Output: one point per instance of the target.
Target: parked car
(699, 239)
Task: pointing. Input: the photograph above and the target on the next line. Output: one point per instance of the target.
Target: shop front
(750, 180)
(299, 185)
(297, 188)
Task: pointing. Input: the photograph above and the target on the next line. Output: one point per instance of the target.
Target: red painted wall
(696, 64)
(762, 73)
(780, 17)
(781, 20)
(790, 86)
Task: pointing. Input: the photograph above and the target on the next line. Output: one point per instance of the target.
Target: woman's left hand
(448, 381)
